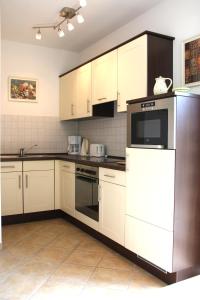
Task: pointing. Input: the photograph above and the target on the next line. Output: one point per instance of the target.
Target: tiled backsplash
(108, 131)
(50, 134)
(23, 131)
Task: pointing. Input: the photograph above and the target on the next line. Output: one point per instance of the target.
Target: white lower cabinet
(11, 193)
(112, 205)
(38, 191)
(67, 185)
(150, 242)
(38, 179)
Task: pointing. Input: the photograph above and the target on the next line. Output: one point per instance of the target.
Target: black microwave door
(150, 128)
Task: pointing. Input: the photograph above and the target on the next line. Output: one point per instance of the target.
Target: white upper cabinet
(104, 78)
(68, 95)
(132, 71)
(84, 92)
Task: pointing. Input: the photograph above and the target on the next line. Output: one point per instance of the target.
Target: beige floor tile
(40, 238)
(66, 241)
(144, 280)
(116, 261)
(25, 249)
(85, 258)
(93, 245)
(53, 255)
(19, 285)
(73, 273)
(57, 289)
(110, 278)
(36, 268)
(91, 293)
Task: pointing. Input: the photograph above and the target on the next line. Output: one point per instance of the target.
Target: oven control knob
(78, 169)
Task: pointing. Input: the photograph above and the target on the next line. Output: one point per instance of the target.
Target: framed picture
(23, 89)
(191, 61)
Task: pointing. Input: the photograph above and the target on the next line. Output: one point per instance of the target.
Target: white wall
(177, 18)
(44, 64)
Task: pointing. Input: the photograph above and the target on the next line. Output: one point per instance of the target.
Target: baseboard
(29, 217)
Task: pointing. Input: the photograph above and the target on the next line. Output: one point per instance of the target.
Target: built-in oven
(152, 124)
(86, 191)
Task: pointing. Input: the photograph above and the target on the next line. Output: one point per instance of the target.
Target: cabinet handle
(118, 99)
(20, 182)
(127, 162)
(88, 105)
(110, 176)
(67, 167)
(26, 181)
(99, 193)
(72, 109)
(100, 99)
(9, 167)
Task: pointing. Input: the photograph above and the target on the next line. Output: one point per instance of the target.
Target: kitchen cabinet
(11, 188)
(150, 204)
(68, 96)
(112, 204)
(132, 71)
(67, 181)
(38, 179)
(84, 92)
(104, 78)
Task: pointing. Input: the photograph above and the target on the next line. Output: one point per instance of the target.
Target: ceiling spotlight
(83, 3)
(38, 35)
(60, 32)
(80, 18)
(70, 26)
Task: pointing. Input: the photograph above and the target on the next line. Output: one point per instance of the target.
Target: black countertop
(116, 163)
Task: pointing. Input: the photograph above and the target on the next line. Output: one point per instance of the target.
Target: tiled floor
(55, 260)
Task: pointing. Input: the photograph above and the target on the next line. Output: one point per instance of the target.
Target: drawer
(68, 166)
(38, 165)
(11, 166)
(150, 242)
(112, 176)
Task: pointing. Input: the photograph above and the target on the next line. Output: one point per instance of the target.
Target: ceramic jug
(160, 86)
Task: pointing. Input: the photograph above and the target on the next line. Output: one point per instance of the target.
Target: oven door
(152, 124)
(86, 196)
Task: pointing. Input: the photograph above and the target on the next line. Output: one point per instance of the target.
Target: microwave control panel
(148, 106)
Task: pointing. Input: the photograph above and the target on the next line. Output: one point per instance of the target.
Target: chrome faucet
(21, 150)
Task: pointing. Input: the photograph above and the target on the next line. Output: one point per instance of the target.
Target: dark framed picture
(191, 61)
(23, 89)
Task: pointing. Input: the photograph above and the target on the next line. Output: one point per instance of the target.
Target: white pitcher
(160, 86)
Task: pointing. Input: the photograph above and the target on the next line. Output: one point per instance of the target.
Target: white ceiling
(101, 18)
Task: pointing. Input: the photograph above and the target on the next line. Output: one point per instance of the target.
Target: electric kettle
(84, 147)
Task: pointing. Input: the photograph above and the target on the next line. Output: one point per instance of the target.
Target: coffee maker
(74, 144)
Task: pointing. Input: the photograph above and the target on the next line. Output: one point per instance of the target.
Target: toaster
(97, 150)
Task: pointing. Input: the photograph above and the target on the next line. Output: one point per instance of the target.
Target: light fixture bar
(67, 13)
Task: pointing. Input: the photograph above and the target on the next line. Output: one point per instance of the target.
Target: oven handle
(87, 179)
(147, 146)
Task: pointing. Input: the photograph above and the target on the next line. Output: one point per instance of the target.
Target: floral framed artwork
(23, 89)
(191, 61)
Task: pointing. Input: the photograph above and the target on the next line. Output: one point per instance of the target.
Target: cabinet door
(68, 192)
(132, 71)
(68, 96)
(38, 191)
(104, 78)
(112, 211)
(84, 89)
(150, 242)
(11, 193)
(150, 186)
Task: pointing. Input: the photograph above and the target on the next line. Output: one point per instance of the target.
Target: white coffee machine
(74, 144)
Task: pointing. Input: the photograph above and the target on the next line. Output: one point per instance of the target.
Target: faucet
(21, 150)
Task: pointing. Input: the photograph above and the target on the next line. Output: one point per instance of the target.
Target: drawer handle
(26, 181)
(100, 99)
(9, 167)
(67, 167)
(20, 182)
(88, 105)
(110, 176)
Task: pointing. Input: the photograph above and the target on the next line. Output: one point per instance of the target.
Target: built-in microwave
(152, 124)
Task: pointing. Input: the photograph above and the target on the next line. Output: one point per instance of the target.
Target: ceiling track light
(67, 13)
(80, 18)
